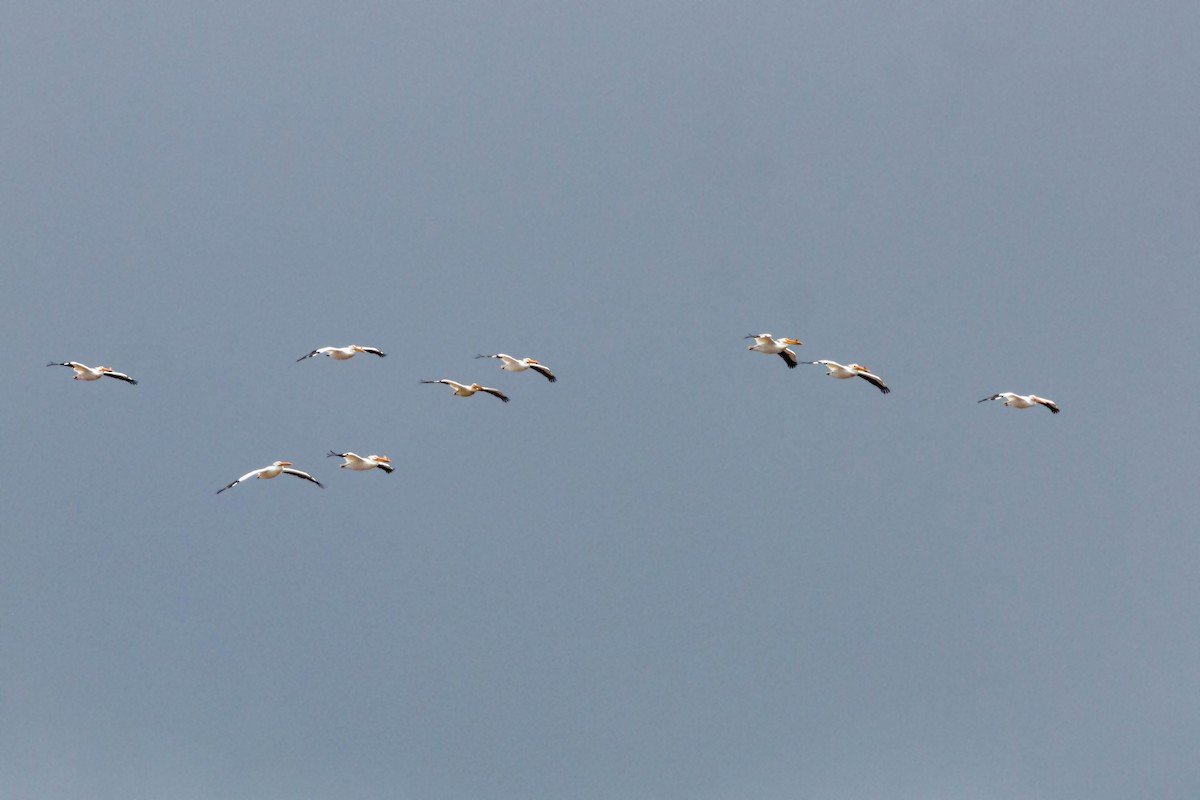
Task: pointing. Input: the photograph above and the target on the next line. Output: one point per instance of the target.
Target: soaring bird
(767, 344)
(837, 370)
(521, 364)
(273, 471)
(85, 373)
(461, 390)
(1023, 401)
(343, 353)
(359, 463)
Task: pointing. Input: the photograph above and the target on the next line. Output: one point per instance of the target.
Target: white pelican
(359, 463)
(85, 373)
(1023, 401)
(836, 370)
(466, 391)
(521, 364)
(769, 345)
(273, 471)
(342, 353)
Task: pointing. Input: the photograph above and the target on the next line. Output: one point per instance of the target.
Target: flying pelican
(359, 463)
(769, 345)
(466, 391)
(273, 471)
(521, 364)
(342, 353)
(85, 373)
(836, 370)
(1023, 401)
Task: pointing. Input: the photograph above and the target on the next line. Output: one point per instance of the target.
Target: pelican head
(792, 341)
(382, 458)
(475, 386)
(282, 464)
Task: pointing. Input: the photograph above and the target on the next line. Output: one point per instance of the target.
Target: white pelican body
(521, 364)
(273, 471)
(768, 345)
(85, 373)
(359, 463)
(837, 370)
(1013, 400)
(461, 390)
(343, 353)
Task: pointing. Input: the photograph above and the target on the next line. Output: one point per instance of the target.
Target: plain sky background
(682, 571)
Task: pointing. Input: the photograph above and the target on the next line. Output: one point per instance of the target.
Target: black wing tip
(885, 390)
(552, 379)
(332, 454)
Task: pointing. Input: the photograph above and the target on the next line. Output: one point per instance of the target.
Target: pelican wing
(993, 397)
(304, 475)
(495, 393)
(388, 468)
(121, 376)
(375, 351)
(318, 351)
(789, 357)
(232, 484)
(875, 381)
(1054, 409)
(538, 368)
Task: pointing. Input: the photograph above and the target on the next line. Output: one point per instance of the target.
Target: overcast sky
(683, 571)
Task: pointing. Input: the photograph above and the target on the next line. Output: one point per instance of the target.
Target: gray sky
(682, 571)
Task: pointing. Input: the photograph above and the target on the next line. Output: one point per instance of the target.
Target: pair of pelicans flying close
(768, 345)
(507, 363)
(353, 462)
(460, 389)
